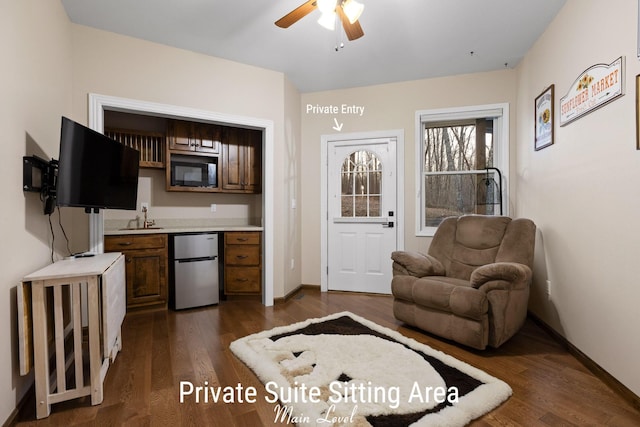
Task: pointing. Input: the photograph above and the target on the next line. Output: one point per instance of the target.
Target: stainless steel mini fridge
(195, 259)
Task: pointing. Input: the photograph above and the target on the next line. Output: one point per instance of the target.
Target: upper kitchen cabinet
(193, 137)
(242, 160)
(150, 145)
(146, 134)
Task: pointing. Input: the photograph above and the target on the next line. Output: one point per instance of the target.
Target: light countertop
(170, 226)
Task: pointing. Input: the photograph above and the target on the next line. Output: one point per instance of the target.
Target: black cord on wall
(53, 235)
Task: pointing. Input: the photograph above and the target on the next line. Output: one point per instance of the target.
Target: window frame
(500, 115)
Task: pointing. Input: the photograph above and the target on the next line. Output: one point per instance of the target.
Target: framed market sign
(596, 86)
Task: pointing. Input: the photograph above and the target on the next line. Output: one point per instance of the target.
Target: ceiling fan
(347, 10)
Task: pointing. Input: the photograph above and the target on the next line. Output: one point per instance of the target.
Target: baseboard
(291, 293)
(13, 417)
(240, 297)
(622, 390)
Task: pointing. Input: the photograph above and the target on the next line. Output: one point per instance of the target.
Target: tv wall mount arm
(39, 176)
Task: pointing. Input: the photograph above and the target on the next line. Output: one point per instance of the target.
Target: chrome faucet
(146, 223)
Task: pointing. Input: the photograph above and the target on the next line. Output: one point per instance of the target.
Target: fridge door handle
(206, 258)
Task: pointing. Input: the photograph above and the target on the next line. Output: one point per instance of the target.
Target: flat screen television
(95, 171)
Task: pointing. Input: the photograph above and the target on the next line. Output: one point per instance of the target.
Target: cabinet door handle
(243, 280)
(242, 256)
(125, 243)
(242, 239)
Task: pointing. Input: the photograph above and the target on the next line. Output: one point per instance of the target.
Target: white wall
(387, 107)
(583, 191)
(35, 90)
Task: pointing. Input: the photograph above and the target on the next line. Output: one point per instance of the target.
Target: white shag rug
(344, 370)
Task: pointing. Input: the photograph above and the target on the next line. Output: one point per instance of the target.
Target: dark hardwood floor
(162, 348)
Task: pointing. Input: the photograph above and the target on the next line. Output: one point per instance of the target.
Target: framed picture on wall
(544, 119)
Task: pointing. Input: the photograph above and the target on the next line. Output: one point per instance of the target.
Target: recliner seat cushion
(443, 294)
(450, 295)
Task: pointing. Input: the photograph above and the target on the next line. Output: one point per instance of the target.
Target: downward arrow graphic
(338, 126)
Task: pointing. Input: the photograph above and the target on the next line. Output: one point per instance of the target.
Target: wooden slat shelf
(151, 145)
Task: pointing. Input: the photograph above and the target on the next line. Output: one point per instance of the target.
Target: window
(462, 163)
(361, 176)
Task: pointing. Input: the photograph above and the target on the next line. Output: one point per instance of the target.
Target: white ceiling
(404, 39)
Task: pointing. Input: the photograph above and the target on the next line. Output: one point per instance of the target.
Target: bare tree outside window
(451, 152)
(361, 177)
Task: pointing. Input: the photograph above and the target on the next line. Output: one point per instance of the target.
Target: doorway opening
(98, 104)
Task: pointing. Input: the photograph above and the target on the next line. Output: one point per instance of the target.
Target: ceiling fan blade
(296, 14)
(353, 31)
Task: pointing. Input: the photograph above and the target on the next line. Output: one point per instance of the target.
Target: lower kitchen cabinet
(243, 263)
(146, 263)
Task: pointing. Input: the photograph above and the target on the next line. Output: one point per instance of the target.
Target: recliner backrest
(464, 243)
(518, 243)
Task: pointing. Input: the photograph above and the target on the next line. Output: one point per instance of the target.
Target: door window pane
(361, 183)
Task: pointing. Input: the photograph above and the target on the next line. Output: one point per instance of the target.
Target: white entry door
(361, 219)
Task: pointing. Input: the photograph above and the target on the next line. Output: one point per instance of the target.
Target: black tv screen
(95, 171)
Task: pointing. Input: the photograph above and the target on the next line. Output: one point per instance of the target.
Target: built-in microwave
(194, 171)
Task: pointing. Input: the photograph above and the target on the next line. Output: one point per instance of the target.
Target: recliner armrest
(510, 272)
(416, 264)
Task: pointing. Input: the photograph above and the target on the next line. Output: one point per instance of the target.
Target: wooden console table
(65, 296)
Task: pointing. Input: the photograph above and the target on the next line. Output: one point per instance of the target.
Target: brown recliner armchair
(473, 286)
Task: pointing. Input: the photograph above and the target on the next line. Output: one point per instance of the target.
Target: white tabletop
(75, 267)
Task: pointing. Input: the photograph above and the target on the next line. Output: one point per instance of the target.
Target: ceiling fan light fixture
(326, 6)
(328, 20)
(352, 9)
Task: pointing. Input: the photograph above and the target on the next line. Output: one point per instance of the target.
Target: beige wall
(35, 90)
(110, 64)
(234, 208)
(291, 197)
(387, 107)
(583, 190)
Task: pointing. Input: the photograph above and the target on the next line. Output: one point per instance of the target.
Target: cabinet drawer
(134, 241)
(242, 255)
(242, 238)
(242, 280)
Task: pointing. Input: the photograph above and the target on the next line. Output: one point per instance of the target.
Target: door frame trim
(99, 103)
(398, 134)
